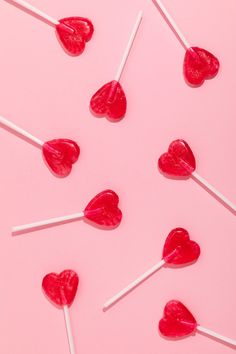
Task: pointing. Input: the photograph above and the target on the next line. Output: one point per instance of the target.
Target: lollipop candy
(179, 161)
(178, 322)
(60, 154)
(199, 64)
(73, 32)
(102, 210)
(61, 290)
(110, 100)
(178, 250)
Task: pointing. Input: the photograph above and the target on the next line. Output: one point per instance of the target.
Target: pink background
(47, 92)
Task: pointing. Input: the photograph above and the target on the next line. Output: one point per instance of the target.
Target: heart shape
(60, 155)
(178, 161)
(61, 288)
(103, 209)
(199, 65)
(109, 101)
(179, 249)
(73, 33)
(177, 320)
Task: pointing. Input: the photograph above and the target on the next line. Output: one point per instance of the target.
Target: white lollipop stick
(214, 191)
(216, 335)
(36, 11)
(47, 222)
(68, 329)
(21, 131)
(129, 46)
(132, 285)
(172, 23)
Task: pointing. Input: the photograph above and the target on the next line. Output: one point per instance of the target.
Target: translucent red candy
(73, 33)
(177, 321)
(61, 288)
(103, 209)
(109, 101)
(178, 161)
(199, 65)
(60, 155)
(179, 249)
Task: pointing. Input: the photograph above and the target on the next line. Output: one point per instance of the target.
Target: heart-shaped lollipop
(178, 250)
(60, 155)
(109, 101)
(199, 65)
(179, 160)
(61, 288)
(102, 210)
(177, 320)
(73, 33)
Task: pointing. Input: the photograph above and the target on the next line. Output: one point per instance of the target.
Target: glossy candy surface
(60, 155)
(199, 65)
(109, 101)
(177, 321)
(179, 249)
(103, 209)
(61, 288)
(73, 33)
(178, 161)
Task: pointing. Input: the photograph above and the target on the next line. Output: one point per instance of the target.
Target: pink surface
(48, 93)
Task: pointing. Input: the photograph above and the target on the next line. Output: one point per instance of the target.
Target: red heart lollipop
(177, 320)
(109, 101)
(73, 33)
(179, 249)
(60, 155)
(179, 160)
(61, 288)
(199, 65)
(103, 209)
